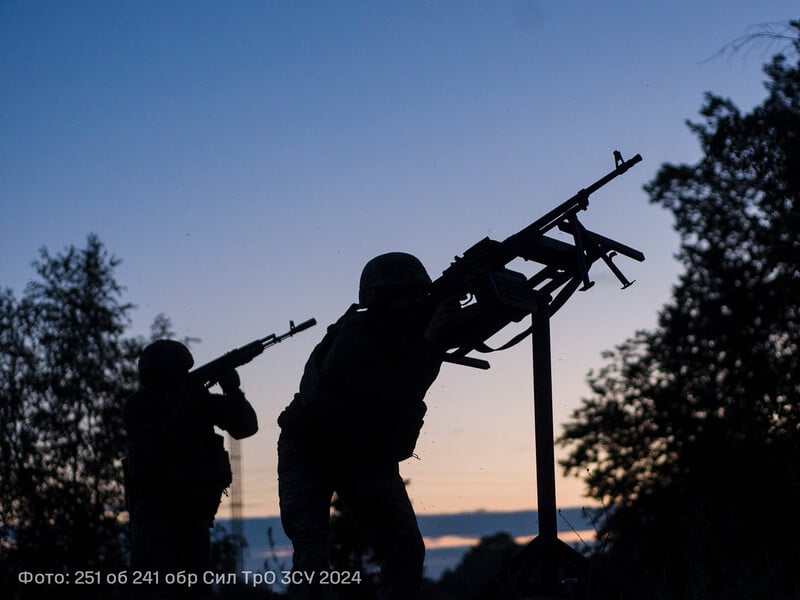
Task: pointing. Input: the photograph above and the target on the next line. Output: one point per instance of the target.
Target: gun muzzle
(303, 326)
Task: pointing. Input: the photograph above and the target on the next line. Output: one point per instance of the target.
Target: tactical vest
(180, 475)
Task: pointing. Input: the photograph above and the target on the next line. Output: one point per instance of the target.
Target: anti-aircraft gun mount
(547, 564)
(482, 273)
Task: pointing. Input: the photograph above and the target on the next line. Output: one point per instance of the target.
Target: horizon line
(442, 514)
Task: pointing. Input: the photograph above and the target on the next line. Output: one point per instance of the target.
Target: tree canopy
(67, 364)
(65, 368)
(691, 437)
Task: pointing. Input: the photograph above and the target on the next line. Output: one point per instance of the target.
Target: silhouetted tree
(692, 435)
(351, 553)
(476, 569)
(65, 368)
(224, 555)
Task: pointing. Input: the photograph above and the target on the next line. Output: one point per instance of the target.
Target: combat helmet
(389, 275)
(164, 362)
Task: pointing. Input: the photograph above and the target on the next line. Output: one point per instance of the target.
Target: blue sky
(245, 159)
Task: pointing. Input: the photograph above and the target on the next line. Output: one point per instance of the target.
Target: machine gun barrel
(529, 243)
(480, 272)
(209, 373)
(578, 202)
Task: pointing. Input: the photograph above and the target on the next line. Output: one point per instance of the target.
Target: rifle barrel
(239, 356)
(303, 326)
(274, 339)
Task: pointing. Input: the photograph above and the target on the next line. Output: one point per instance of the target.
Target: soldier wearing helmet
(176, 466)
(357, 414)
(393, 279)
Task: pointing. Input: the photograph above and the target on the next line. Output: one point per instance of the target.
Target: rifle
(209, 373)
(481, 272)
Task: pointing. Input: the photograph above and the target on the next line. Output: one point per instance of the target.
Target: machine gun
(481, 272)
(209, 373)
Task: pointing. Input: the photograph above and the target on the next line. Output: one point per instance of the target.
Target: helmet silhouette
(387, 275)
(164, 361)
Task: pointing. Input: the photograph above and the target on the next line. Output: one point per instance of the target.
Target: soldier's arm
(233, 413)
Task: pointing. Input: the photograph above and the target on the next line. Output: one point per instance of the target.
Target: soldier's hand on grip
(444, 322)
(229, 381)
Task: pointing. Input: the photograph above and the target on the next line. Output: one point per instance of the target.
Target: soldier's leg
(305, 492)
(154, 552)
(379, 502)
(194, 556)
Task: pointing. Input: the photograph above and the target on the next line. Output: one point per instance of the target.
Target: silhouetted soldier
(357, 414)
(177, 467)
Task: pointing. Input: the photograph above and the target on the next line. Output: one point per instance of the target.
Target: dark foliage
(351, 553)
(692, 436)
(476, 568)
(66, 367)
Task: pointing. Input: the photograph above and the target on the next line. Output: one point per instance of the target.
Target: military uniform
(176, 470)
(358, 413)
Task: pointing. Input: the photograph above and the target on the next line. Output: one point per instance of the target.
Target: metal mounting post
(543, 424)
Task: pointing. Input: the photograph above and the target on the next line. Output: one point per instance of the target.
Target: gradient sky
(245, 159)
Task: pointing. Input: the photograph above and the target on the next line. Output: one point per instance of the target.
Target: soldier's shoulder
(134, 408)
(353, 317)
(136, 400)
